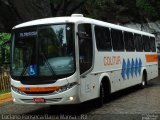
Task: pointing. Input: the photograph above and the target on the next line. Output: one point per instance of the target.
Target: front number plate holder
(39, 100)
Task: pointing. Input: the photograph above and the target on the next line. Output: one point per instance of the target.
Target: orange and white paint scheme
(90, 57)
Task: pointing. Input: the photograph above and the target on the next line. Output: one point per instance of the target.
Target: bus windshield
(46, 50)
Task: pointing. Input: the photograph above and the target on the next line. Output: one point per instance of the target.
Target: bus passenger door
(85, 59)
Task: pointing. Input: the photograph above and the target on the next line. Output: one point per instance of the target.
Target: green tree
(4, 37)
(146, 6)
(65, 7)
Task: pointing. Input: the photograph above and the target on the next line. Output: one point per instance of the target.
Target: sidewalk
(6, 97)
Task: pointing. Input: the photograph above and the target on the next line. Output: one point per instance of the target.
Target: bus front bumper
(69, 96)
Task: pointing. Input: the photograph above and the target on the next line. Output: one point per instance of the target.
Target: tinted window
(152, 44)
(129, 43)
(146, 43)
(117, 40)
(43, 51)
(103, 39)
(138, 42)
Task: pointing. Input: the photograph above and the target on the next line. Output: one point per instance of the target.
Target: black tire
(107, 95)
(144, 81)
(99, 102)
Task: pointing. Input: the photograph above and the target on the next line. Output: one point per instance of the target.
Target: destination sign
(28, 34)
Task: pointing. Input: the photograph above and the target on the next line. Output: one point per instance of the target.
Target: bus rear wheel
(144, 81)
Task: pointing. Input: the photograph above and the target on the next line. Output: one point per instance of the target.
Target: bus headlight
(71, 98)
(17, 90)
(66, 87)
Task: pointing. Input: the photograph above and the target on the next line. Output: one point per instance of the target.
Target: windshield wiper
(24, 70)
(26, 66)
(48, 64)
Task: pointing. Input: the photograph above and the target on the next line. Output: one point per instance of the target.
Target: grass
(5, 96)
(3, 92)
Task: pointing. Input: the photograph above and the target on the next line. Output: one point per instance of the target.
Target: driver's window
(85, 47)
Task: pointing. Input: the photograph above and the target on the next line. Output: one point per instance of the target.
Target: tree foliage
(65, 7)
(4, 37)
(103, 2)
(120, 11)
(147, 7)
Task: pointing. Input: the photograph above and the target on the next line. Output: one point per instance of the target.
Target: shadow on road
(78, 109)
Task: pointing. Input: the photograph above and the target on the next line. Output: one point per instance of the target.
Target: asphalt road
(130, 104)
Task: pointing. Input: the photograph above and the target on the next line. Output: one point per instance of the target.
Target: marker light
(77, 15)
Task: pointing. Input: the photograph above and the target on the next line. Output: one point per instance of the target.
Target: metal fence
(4, 81)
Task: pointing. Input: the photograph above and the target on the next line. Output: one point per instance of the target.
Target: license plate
(39, 100)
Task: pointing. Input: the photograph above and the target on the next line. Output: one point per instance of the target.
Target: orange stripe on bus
(39, 89)
(151, 58)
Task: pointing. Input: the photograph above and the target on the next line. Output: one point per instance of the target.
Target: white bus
(70, 60)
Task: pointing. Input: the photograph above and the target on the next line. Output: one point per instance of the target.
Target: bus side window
(85, 47)
(117, 40)
(152, 44)
(103, 38)
(138, 42)
(129, 43)
(146, 43)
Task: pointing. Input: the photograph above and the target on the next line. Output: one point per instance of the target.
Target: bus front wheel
(99, 102)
